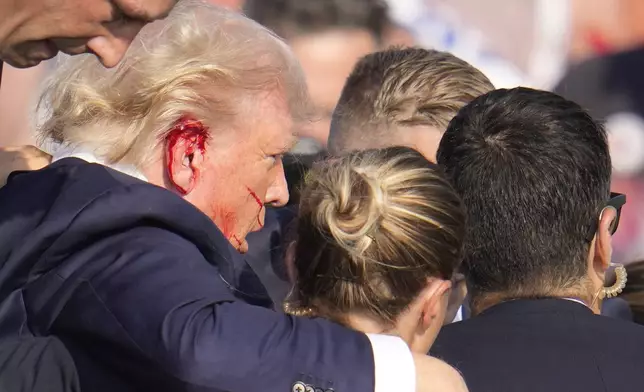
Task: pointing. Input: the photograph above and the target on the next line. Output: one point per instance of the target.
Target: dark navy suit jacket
(611, 307)
(260, 274)
(551, 345)
(36, 364)
(138, 284)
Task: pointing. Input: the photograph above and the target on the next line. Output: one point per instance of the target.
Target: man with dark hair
(533, 170)
(403, 97)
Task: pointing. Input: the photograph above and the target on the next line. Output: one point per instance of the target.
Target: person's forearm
(240, 340)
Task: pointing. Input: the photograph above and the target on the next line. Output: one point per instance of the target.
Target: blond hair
(202, 61)
(401, 88)
(373, 227)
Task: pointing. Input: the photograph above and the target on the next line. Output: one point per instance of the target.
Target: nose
(111, 47)
(277, 194)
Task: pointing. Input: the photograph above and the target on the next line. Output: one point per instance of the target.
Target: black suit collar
(536, 305)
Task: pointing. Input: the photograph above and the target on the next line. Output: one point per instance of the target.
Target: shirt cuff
(394, 369)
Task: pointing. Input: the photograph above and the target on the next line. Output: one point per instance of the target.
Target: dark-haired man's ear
(601, 249)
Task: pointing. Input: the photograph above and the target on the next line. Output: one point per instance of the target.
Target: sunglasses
(617, 201)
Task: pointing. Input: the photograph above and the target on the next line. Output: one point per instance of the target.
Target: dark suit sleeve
(39, 364)
(175, 309)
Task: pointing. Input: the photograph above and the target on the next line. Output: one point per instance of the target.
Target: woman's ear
(419, 325)
(435, 302)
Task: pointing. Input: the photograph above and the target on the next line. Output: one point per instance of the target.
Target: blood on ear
(193, 135)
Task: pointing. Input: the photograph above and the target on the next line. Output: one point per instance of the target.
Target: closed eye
(276, 158)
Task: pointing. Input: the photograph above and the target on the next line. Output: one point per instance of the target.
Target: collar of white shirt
(130, 170)
(576, 300)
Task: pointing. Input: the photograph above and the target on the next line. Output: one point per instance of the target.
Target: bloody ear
(184, 139)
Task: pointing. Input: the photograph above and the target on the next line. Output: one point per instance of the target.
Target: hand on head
(35, 30)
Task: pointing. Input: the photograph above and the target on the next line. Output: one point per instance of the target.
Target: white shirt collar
(576, 300)
(130, 170)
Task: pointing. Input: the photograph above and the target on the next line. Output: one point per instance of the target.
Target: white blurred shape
(626, 142)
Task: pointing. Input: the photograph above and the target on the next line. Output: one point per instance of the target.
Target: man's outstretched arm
(177, 312)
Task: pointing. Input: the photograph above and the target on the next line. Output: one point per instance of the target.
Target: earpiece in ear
(187, 136)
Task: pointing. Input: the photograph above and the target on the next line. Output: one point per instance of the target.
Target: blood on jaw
(226, 221)
(259, 202)
(193, 133)
(239, 243)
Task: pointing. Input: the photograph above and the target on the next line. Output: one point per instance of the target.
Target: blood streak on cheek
(193, 133)
(259, 202)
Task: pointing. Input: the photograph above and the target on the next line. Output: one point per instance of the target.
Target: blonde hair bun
(373, 227)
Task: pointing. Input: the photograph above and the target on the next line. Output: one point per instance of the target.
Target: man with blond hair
(123, 246)
(403, 97)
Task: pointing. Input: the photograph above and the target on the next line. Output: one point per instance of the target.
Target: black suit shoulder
(544, 345)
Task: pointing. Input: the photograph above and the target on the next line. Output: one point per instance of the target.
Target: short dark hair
(292, 18)
(533, 170)
(400, 88)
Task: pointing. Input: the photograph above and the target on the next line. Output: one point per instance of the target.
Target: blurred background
(590, 51)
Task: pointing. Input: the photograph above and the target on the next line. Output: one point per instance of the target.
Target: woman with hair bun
(379, 237)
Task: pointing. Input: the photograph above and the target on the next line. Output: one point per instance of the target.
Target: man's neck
(485, 301)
